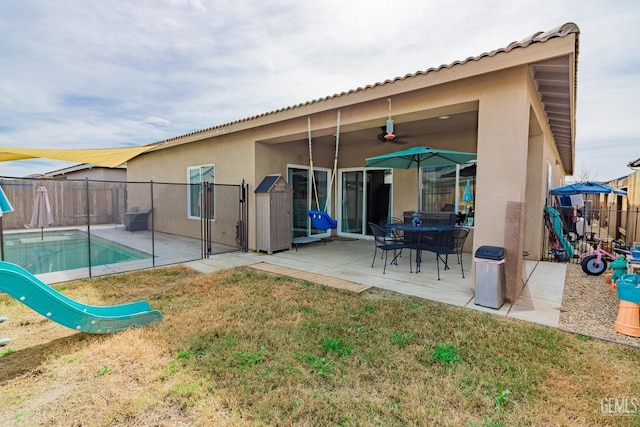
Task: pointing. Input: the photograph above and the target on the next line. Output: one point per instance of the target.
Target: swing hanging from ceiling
(320, 219)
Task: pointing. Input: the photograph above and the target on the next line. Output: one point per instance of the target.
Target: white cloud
(105, 73)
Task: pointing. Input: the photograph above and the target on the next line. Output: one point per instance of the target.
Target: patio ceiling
(410, 132)
(410, 129)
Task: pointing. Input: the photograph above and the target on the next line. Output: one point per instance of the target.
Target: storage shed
(273, 214)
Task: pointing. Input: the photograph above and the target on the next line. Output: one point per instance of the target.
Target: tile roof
(539, 37)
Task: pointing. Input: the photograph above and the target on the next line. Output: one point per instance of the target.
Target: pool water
(64, 250)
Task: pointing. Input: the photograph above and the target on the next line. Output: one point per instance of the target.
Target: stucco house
(514, 107)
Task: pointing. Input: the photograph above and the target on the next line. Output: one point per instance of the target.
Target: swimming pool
(64, 250)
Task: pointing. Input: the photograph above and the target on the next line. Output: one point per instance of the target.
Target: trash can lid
(490, 252)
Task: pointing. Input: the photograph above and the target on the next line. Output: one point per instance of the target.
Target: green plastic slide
(29, 290)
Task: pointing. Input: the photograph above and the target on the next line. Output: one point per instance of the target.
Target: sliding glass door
(365, 196)
(304, 198)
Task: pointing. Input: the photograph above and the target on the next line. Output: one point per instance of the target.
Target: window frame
(201, 173)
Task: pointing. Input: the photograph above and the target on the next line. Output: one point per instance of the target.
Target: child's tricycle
(595, 263)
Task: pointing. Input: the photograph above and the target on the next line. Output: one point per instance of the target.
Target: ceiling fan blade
(396, 140)
(387, 136)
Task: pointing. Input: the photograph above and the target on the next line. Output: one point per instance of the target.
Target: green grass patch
(248, 359)
(446, 353)
(241, 347)
(7, 352)
(401, 339)
(335, 345)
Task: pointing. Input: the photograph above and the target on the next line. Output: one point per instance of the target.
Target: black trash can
(490, 277)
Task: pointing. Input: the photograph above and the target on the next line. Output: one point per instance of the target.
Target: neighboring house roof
(77, 168)
(558, 105)
(634, 164)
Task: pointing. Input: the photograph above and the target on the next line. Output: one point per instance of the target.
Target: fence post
(1, 237)
(636, 235)
(153, 241)
(244, 214)
(203, 223)
(86, 191)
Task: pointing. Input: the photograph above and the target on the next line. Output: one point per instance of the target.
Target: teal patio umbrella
(467, 196)
(5, 207)
(418, 157)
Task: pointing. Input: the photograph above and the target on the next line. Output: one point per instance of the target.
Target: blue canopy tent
(586, 188)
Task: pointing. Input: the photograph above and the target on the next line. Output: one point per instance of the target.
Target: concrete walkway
(350, 260)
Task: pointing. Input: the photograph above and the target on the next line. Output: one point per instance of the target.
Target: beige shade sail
(107, 157)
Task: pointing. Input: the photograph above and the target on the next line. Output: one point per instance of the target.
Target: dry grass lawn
(242, 347)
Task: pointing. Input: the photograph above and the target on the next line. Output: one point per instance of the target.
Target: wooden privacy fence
(71, 201)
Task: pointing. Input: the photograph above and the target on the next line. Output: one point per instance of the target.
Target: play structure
(29, 290)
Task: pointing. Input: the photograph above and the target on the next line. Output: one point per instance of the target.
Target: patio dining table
(423, 235)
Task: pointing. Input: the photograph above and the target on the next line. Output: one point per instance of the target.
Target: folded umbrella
(41, 216)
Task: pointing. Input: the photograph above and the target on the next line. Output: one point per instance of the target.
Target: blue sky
(98, 74)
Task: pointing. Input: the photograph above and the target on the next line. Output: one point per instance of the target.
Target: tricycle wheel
(592, 266)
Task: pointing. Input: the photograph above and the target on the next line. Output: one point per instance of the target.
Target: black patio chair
(387, 225)
(385, 243)
(389, 220)
(447, 242)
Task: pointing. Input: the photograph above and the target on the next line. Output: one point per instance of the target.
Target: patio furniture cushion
(137, 220)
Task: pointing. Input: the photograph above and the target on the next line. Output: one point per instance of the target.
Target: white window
(197, 175)
(450, 189)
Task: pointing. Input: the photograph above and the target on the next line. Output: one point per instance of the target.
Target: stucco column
(503, 128)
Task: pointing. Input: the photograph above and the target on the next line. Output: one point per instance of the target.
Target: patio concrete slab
(311, 277)
(541, 298)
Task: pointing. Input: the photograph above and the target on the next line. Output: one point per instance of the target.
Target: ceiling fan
(387, 134)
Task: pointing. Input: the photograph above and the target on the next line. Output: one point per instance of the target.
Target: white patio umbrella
(41, 216)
